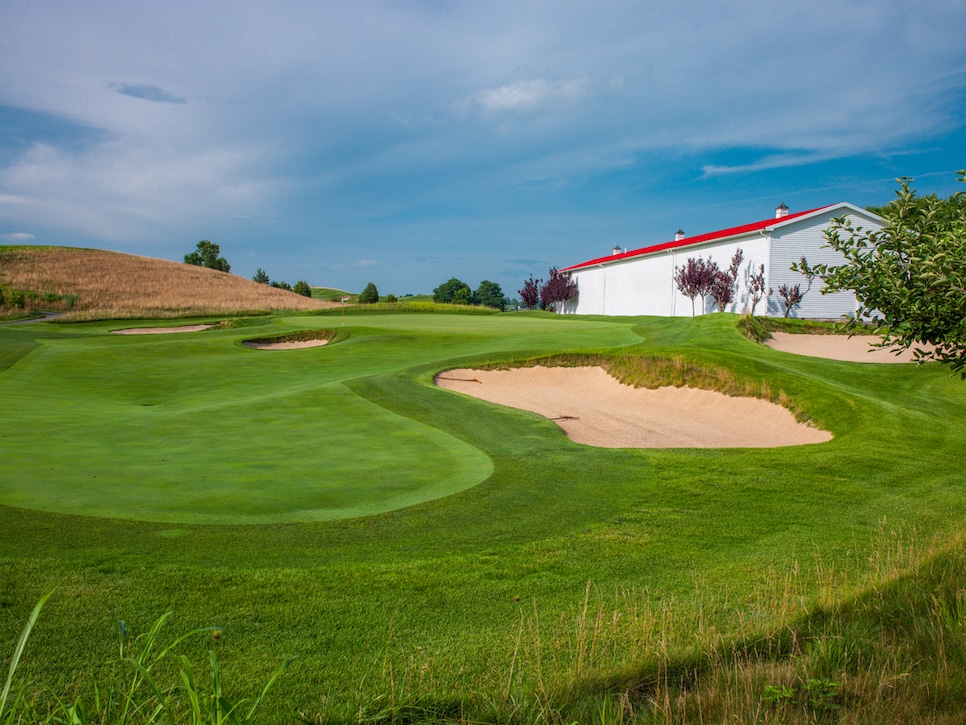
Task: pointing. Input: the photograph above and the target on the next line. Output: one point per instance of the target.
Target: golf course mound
(858, 348)
(595, 409)
(161, 330)
(291, 341)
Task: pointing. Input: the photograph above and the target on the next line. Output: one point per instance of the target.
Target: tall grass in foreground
(137, 692)
(879, 638)
(882, 639)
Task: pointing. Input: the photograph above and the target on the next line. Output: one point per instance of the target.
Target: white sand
(594, 408)
(297, 345)
(161, 330)
(838, 347)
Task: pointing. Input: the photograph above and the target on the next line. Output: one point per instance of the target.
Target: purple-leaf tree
(791, 296)
(723, 285)
(530, 294)
(696, 278)
(756, 282)
(558, 290)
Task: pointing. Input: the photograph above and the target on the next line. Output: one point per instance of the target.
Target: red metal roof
(687, 241)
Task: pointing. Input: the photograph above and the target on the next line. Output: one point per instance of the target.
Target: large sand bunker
(858, 348)
(594, 408)
(161, 330)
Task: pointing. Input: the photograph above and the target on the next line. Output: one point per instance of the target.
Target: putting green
(194, 428)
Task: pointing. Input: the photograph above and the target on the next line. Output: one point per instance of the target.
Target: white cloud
(17, 236)
(531, 96)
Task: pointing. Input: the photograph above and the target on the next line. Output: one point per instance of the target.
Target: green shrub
(370, 295)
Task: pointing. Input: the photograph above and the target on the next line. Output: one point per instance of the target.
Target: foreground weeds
(150, 684)
(883, 640)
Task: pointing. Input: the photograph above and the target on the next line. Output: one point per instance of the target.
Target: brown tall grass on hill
(112, 284)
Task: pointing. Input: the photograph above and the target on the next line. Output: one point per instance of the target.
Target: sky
(405, 143)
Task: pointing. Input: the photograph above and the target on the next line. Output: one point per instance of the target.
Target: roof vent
(678, 235)
(617, 249)
(781, 211)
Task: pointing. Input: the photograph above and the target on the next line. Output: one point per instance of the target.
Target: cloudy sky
(409, 142)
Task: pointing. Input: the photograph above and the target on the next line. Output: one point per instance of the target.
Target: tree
(446, 292)
(206, 255)
(558, 290)
(489, 294)
(791, 296)
(261, 276)
(910, 276)
(756, 282)
(723, 286)
(462, 296)
(695, 279)
(530, 294)
(281, 285)
(370, 295)
(302, 288)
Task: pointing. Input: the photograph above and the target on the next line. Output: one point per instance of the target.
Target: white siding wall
(641, 286)
(591, 291)
(807, 239)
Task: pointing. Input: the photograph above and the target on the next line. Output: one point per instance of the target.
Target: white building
(641, 282)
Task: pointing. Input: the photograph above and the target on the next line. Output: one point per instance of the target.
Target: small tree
(446, 293)
(696, 278)
(756, 282)
(558, 290)
(910, 276)
(530, 294)
(489, 294)
(302, 288)
(723, 286)
(206, 255)
(791, 296)
(261, 276)
(281, 285)
(370, 295)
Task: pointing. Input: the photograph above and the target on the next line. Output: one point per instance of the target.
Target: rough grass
(103, 285)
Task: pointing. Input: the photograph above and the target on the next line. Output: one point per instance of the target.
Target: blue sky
(408, 142)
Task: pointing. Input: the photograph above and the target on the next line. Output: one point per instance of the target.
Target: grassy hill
(92, 284)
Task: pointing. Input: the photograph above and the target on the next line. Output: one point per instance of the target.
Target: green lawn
(331, 503)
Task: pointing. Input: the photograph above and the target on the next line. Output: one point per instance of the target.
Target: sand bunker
(292, 345)
(838, 347)
(161, 330)
(594, 408)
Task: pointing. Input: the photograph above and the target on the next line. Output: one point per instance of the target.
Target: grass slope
(476, 602)
(112, 284)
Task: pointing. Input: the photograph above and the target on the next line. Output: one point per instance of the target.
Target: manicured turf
(434, 591)
(192, 428)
